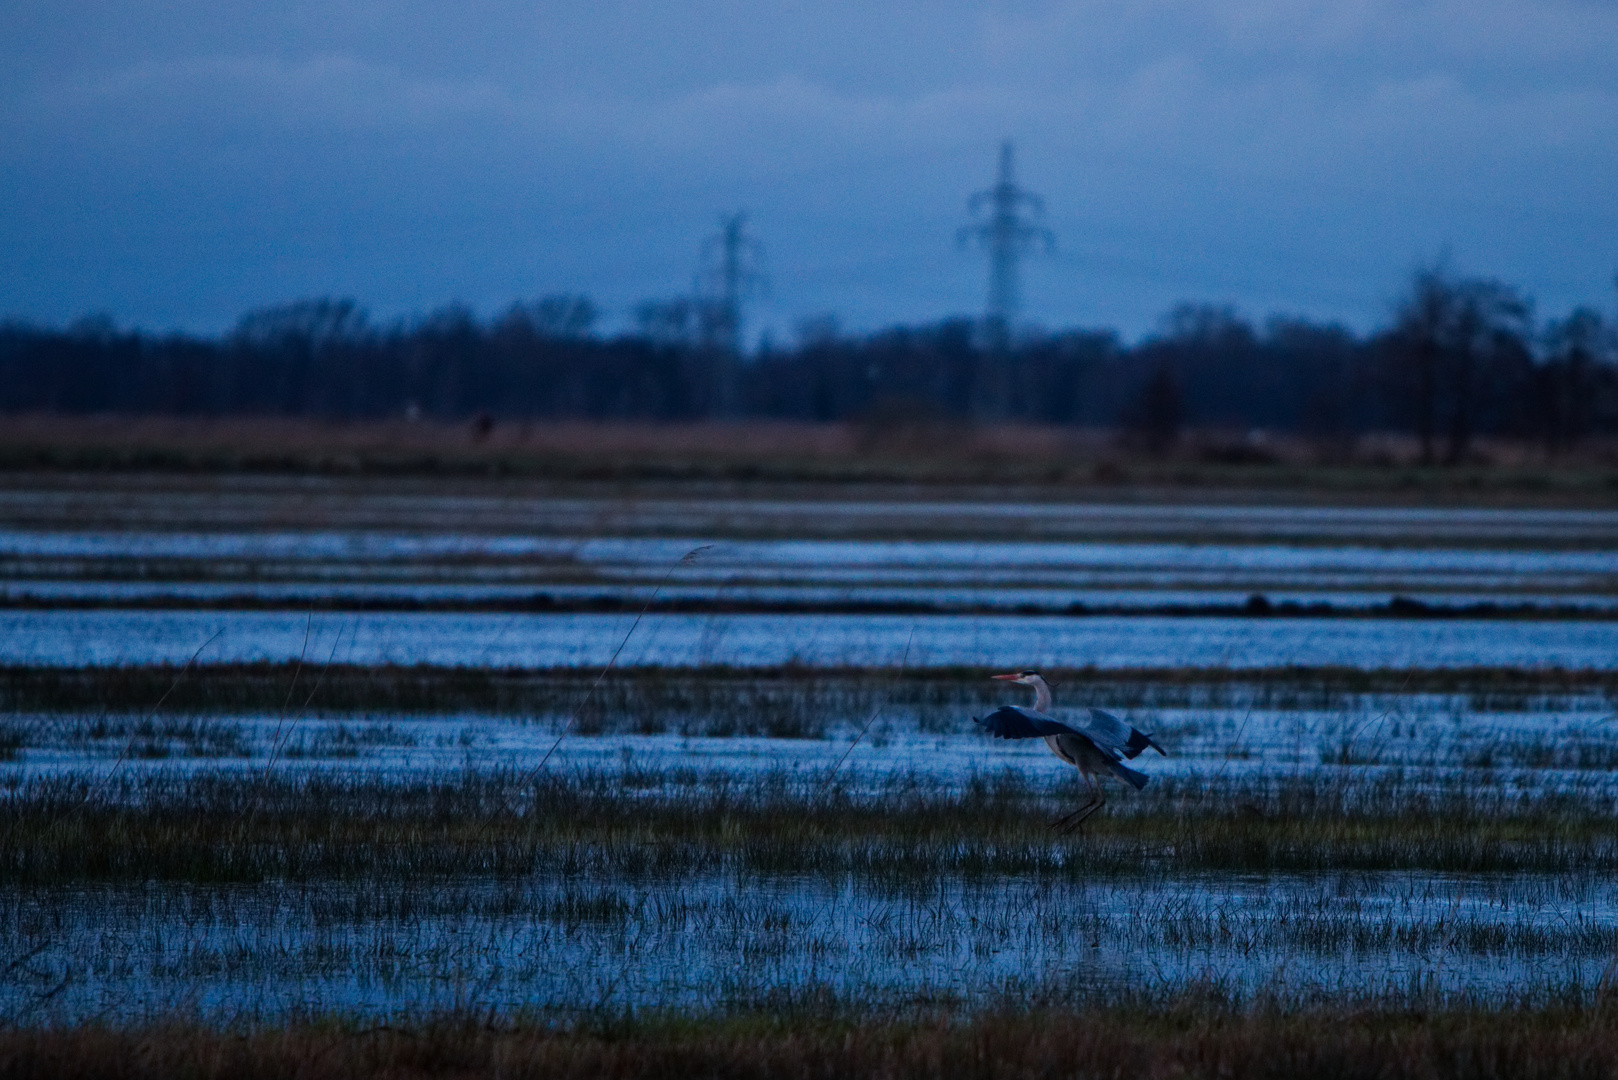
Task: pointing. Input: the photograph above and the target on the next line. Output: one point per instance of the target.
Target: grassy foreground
(224, 827)
(1185, 1039)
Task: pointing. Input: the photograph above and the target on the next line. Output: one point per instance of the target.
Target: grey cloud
(1294, 154)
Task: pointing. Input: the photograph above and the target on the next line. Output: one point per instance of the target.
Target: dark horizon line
(1029, 328)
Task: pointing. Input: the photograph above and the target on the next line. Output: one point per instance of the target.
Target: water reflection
(113, 637)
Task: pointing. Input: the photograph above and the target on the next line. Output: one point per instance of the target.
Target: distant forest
(1462, 358)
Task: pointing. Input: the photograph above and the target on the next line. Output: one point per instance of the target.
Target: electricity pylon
(732, 271)
(1007, 234)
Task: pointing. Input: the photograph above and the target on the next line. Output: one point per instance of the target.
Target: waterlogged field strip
(115, 638)
(805, 600)
(707, 943)
(231, 826)
(245, 503)
(473, 568)
(428, 721)
(615, 891)
(937, 744)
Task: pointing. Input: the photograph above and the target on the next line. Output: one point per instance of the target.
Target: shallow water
(578, 944)
(564, 944)
(473, 567)
(866, 739)
(569, 944)
(114, 637)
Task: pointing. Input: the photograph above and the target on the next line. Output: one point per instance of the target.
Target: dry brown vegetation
(1187, 1039)
(930, 452)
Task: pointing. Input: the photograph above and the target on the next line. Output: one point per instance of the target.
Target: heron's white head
(1042, 690)
(1022, 678)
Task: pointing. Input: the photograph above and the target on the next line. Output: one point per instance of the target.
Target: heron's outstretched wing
(1115, 736)
(1011, 722)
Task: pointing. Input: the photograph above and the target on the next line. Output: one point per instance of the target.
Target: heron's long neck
(1042, 696)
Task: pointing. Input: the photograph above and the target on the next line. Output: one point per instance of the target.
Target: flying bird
(1099, 744)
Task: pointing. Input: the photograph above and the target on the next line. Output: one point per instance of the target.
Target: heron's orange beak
(1013, 677)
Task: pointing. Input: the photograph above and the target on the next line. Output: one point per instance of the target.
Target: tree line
(1460, 358)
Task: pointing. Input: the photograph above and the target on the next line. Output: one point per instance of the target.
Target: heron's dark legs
(1069, 822)
(1079, 816)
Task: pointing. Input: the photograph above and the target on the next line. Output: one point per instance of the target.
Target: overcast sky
(175, 165)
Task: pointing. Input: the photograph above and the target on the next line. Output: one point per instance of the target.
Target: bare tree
(1571, 380)
(1158, 412)
(561, 316)
(667, 322)
(1489, 337)
(1452, 338)
(1415, 348)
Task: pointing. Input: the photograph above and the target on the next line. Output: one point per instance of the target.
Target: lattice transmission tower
(1007, 233)
(732, 271)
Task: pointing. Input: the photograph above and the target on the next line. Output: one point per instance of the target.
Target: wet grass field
(604, 894)
(323, 862)
(719, 845)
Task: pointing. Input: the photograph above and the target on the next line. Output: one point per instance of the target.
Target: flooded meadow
(232, 791)
(706, 845)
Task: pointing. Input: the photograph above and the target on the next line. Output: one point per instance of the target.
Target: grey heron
(1100, 743)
